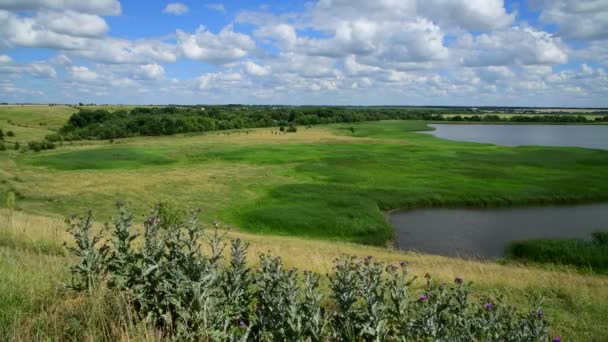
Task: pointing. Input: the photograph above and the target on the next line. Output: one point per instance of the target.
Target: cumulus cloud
(176, 8)
(153, 71)
(83, 74)
(114, 50)
(100, 7)
(254, 69)
(221, 48)
(29, 32)
(72, 23)
(480, 15)
(218, 80)
(585, 20)
(36, 69)
(516, 45)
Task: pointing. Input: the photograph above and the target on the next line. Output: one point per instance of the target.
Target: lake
(587, 136)
(484, 233)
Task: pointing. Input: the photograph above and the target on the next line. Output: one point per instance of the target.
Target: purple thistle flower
(488, 306)
(242, 323)
(403, 264)
(557, 339)
(458, 280)
(423, 298)
(540, 314)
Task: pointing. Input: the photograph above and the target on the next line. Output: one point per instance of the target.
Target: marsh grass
(587, 255)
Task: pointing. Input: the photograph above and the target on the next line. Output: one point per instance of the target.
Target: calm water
(484, 233)
(514, 135)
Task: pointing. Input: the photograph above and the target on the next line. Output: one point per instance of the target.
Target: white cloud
(176, 8)
(153, 71)
(114, 50)
(253, 69)
(216, 7)
(28, 32)
(101, 7)
(36, 69)
(586, 20)
(225, 47)
(72, 23)
(84, 74)
(467, 14)
(516, 45)
(218, 80)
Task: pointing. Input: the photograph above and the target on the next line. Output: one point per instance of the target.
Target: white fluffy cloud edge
(424, 52)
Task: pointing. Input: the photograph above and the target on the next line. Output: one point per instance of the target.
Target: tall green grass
(587, 255)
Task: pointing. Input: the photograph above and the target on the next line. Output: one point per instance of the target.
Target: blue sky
(396, 52)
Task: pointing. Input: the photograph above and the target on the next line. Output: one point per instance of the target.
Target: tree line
(169, 120)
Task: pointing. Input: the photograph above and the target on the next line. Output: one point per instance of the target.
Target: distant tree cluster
(155, 121)
(104, 124)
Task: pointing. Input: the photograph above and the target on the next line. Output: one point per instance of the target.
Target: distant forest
(154, 121)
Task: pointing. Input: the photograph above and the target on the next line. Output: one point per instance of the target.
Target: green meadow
(308, 196)
(325, 182)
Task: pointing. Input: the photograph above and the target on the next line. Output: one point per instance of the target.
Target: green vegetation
(586, 255)
(330, 182)
(155, 121)
(323, 182)
(173, 285)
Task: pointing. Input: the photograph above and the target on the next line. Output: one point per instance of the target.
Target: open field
(33, 268)
(306, 196)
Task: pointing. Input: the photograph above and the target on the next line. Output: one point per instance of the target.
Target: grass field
(323, 182)
(311, 194)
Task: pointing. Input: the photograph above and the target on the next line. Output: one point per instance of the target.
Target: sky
(551, 53)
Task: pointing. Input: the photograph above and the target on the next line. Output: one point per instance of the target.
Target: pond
(484, 233)
(587, 136)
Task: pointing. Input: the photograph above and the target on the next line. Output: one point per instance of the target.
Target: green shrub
(10, 133)
(292, 129)
(189, 294)
(2, 147)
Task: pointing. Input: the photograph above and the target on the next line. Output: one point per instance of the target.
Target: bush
(39, 146)
(189, 294)
(2, 147)
(292, 129)
(10, 133)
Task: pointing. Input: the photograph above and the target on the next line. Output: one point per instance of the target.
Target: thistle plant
(176, 277)
(91, 253)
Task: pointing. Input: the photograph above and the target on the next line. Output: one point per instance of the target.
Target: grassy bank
(32, 298)
(586, 255)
